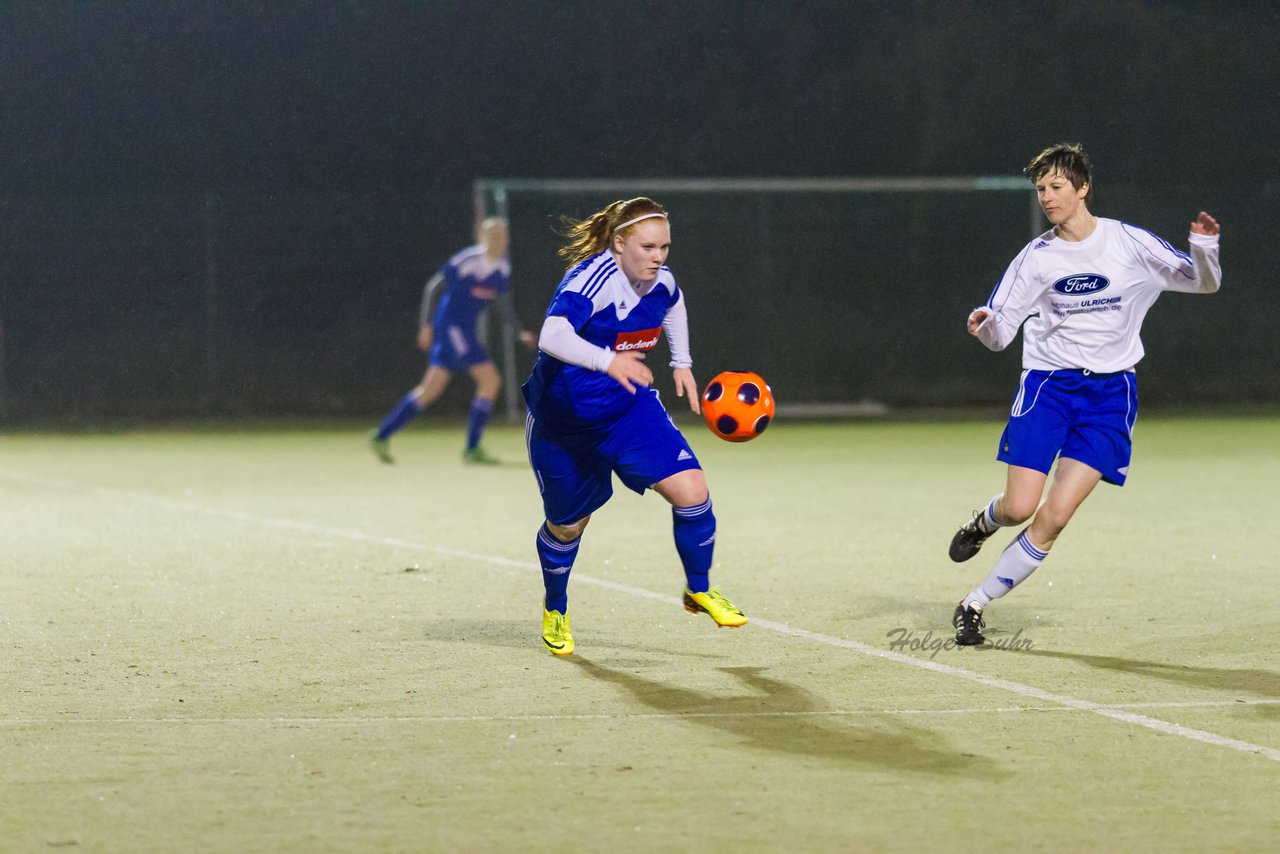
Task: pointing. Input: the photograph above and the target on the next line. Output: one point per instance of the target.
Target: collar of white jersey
(1103, 223)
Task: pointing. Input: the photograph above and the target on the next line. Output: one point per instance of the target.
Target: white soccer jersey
(1083, 302)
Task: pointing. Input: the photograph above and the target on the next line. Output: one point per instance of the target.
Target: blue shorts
(574, 470)
(1082, 416)
(457, 349)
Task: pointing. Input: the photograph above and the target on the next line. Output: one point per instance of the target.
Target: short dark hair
(1067, 159)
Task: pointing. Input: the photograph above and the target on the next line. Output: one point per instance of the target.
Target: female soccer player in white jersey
(592, 413)
(452, 304)
(1079, 293)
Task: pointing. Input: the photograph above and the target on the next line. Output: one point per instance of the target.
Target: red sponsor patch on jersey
(641, 339)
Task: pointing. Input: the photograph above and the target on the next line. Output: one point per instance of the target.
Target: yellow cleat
(556, 634)
(713, 604)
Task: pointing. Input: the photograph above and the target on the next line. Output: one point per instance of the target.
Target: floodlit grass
(266, 641)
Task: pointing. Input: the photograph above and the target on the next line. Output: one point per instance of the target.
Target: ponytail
(592, 235)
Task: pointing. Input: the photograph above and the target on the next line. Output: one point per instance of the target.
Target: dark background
(229, 209)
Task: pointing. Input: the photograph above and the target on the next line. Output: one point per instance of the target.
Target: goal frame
(490, 197)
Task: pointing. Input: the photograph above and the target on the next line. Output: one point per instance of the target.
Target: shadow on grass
(518, 634)
(1263, 683)
(517, 463)
(527, 635)
(777, 716)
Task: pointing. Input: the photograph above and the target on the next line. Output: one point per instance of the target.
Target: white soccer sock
(988, 523)
(1016, 562)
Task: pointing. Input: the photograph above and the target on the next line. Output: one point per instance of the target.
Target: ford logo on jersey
(1087, 283)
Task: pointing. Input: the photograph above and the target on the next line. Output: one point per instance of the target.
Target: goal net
(847, 294)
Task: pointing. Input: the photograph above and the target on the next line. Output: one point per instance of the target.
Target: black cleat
(968, 540)
(968, 624)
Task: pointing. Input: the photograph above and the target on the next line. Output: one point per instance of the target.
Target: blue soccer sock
(405, 411)
(481, 408)
(556, 559)
(695, 533)
(1013, 566)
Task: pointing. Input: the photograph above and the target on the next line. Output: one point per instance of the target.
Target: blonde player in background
(453, 302)
(1079, 292)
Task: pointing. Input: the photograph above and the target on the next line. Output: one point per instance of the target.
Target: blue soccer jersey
(605, 310)
(471, 281)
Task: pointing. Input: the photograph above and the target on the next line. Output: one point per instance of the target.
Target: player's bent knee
(1049, 523)
(684, 489)
(1018, 516)
(1017, 512)
(568, 533)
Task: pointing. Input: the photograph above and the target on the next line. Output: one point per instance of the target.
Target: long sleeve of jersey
(430, 294)
(559, 339)
(1016, 296)
(676, 327)
(1199, 272)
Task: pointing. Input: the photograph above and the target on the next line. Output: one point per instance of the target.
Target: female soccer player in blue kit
(1082, 289)
(464, 287)
(592, 412)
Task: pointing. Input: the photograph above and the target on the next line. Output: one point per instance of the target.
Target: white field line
(1047, 697)
(356, 720)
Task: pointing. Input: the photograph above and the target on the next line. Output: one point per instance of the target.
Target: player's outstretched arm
(426, 337)
(687, 386)
(1205, 224)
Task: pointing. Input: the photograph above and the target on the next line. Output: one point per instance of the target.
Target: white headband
(637, 219)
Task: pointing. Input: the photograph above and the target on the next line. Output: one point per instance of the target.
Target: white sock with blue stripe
(1016, 562)
(988, 522)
